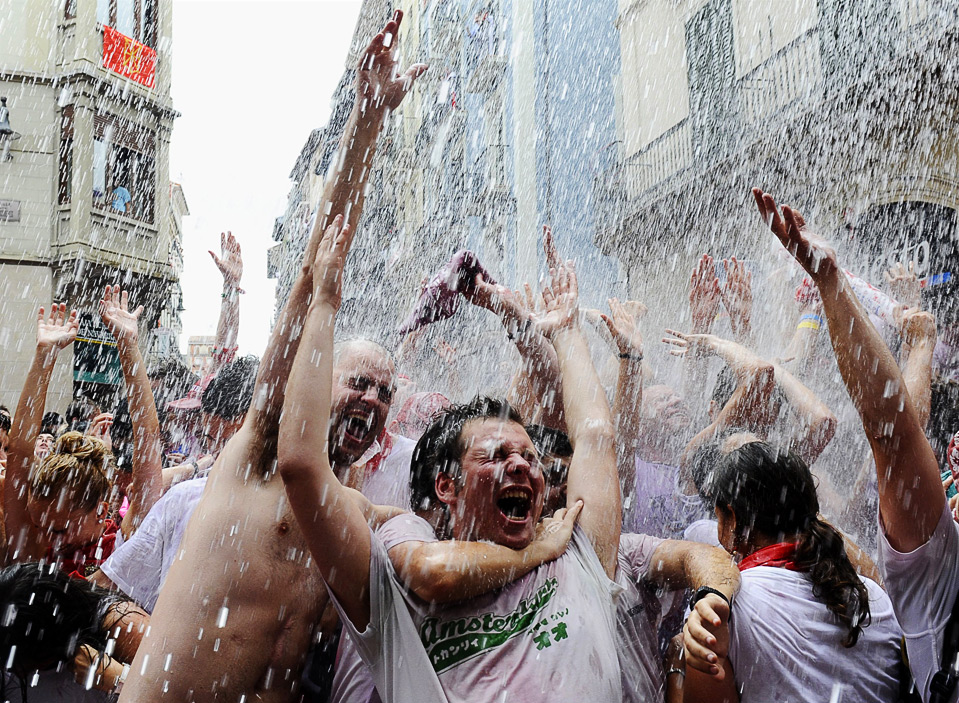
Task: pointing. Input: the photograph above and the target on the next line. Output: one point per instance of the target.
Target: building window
(65, 171)
(134, 18)
(126, 22)
(104, 12)
(124, 168)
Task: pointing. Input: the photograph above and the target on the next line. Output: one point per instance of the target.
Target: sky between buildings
(251, 79)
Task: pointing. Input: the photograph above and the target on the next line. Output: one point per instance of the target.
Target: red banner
(128, 57)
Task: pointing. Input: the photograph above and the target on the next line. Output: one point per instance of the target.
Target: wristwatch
(704, 591)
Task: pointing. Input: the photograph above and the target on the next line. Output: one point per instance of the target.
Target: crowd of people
(320, 525)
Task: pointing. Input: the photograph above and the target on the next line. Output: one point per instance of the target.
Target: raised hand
(330, 261)
(904, 285)
(506, 304)
(737, 295)
(116, 315)
(445, 351)
(917, 325)
(57, 331)
(699, 343)
(100, 428)
(812, 252)
(553, 259)
(560, 301)
(379, 86)
(230, 262)
(704, 295)
(623, 325)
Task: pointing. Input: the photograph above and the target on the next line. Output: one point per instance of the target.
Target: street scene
(479, 350)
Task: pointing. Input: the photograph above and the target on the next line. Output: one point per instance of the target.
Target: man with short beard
(236, 613)
(363, 454)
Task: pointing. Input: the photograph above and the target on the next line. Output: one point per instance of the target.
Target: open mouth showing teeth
(358, 426)
(514, 504)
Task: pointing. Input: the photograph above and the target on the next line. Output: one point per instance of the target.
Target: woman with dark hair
(805, 626)
(63, 638)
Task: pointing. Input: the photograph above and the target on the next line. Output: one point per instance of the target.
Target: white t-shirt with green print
(549, 636)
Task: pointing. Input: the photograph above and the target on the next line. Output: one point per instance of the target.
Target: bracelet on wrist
(521, 330)
(632, 356)
(704, 591)
(676, 670)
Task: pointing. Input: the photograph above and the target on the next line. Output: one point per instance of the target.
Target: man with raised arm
(550, 634)
(919, 541)
(234, 618)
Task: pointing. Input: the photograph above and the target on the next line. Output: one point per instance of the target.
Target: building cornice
(105, 85)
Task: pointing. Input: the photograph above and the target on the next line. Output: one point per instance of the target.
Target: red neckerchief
(79, 561)
(385, 441)
(779, 555)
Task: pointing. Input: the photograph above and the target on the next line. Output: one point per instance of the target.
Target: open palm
(812, 252)
(377, 79)
(623, 324)
(230, 261)
(58, 330)
(116, 315)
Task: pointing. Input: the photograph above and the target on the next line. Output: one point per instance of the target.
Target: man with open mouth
(519, 640)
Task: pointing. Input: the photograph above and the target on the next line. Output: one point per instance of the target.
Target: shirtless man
(235, 616)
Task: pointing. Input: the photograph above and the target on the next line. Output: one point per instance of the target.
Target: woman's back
(786, 646)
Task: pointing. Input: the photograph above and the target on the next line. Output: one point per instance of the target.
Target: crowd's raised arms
(649, 507)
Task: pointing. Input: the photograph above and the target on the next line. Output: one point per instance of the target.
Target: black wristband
(631, 357)
(704, 591)
(521, 330)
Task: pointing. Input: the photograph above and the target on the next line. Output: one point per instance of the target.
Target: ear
(103, 509)
(446, 488)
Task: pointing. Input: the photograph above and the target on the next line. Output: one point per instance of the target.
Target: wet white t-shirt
(923, 585)
(549, 636)
(640, 609)
(785, 645)
(140, 565)
(639, 612)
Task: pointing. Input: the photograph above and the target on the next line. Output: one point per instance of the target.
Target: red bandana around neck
(385, 441)
(780, 555)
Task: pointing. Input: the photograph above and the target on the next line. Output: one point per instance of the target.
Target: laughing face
(499, 494)
(363, 386)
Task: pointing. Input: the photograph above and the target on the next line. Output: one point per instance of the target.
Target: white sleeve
(390, 645)
(923, 583)
(136, 566)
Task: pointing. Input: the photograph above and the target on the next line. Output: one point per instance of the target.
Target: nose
(518, 464)
(370, 395)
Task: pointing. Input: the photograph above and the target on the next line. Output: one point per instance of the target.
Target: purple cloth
(440, 299)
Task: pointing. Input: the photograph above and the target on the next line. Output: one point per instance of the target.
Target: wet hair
(231, 391)
(5, 420)
(440, 448)
(79, 413)
(78, 463)
(50, 424)
(345, 345)
(550, 441)
(174, 378)
(772, 492)
(45, 617)
(707, 458)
